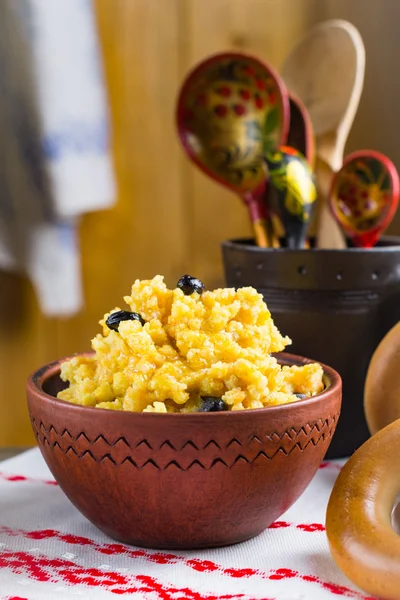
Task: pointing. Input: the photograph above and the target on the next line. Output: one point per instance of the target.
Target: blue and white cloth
(55, 162)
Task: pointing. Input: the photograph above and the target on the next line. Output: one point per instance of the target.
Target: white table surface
(48, 550)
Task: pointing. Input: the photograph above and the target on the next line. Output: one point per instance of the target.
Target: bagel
(359, 527)
(382, 384)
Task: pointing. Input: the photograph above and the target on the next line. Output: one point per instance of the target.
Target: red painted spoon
(364, 196)
(301, 137)
(231, 109)
(301, 133)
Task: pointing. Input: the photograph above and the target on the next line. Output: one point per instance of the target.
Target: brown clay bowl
(182, 480)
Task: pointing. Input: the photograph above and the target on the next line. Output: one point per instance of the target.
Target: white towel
(54, 143)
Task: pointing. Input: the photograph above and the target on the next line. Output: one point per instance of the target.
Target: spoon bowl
(231, 109)
(364, 196)
(301, 137)
(292, 193)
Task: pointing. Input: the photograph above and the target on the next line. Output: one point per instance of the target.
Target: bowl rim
(247, 243)
(333, 381)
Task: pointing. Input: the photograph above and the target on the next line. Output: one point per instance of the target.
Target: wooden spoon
(292, 193)
(326, 71)
(364, 196)
(232, 108)
(300, 137)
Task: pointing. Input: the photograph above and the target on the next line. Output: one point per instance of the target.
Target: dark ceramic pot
(336, 306)
(182, 480)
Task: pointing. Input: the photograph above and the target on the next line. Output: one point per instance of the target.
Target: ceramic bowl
(182, 480)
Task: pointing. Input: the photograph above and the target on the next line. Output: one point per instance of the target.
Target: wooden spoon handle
(362, 540)
(261, 233)
(329, 234)
(262, 227)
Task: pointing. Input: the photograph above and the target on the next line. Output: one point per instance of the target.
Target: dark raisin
(212, 404)
(189, 284)
(301, 396)
(115, 318)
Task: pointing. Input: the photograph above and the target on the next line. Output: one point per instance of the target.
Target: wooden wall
(169, 218)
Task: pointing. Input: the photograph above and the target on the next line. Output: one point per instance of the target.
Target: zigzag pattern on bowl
(142, 453)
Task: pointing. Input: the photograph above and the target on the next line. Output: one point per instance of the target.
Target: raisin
(115, 318)
(301, 396)
(189, 284)
(212, 404)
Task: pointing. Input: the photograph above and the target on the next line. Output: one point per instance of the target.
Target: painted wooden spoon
(364, 196)
(300, 137)
(232, 108)
(292, 193)
(326, 71)
(301, 133)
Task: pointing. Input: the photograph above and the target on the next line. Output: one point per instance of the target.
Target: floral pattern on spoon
(232, 108)
(364, 196)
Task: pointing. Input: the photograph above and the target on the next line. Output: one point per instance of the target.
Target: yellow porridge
(186, 350)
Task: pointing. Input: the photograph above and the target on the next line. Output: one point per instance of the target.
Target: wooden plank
(145, 233)
(26, 342)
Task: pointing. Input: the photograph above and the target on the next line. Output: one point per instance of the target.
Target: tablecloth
(48, 550)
